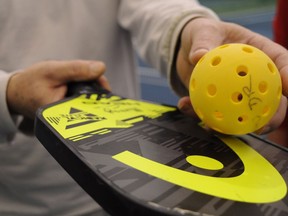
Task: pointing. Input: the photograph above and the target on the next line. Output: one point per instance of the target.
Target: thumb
(205, 35)
(80, 70)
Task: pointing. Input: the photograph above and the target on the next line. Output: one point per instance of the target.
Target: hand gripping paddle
(139, 158)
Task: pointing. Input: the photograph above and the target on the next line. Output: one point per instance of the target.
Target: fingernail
(195, 56)
(97, 66)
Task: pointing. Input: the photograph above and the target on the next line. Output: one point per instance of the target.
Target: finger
(281, 61)
(67, 71)
(277, 119)
(185, 106)
(103, 81)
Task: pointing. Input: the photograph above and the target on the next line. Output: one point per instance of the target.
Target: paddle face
(135, 157)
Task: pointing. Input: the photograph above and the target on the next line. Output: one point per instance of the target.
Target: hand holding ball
(235, 89)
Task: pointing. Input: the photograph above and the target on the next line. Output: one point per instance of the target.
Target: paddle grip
(85, 87)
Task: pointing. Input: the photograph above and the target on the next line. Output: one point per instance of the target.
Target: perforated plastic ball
(235, 89)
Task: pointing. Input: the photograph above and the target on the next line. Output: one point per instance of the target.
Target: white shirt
(31, 181)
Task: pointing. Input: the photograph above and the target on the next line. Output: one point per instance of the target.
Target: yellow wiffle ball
(235, 89)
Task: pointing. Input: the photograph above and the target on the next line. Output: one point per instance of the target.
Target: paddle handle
(85, 87)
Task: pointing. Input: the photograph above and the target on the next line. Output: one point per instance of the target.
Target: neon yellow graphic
(259, 183)
(84, 115)
(204, 162)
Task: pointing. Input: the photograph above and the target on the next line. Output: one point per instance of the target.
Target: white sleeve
(7, 122)
(155, 27)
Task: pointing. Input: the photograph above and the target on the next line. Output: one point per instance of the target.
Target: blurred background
(256, 15)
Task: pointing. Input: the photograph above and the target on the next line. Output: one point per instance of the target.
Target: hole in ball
(266, 111)
(193, 84)
(242, 70)
(263, 87)
(216, 61)
(237, 97)
(212, 90)
(218, 115)
(242, 119)
(223, 46)
(271, 67)
(247, 49)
